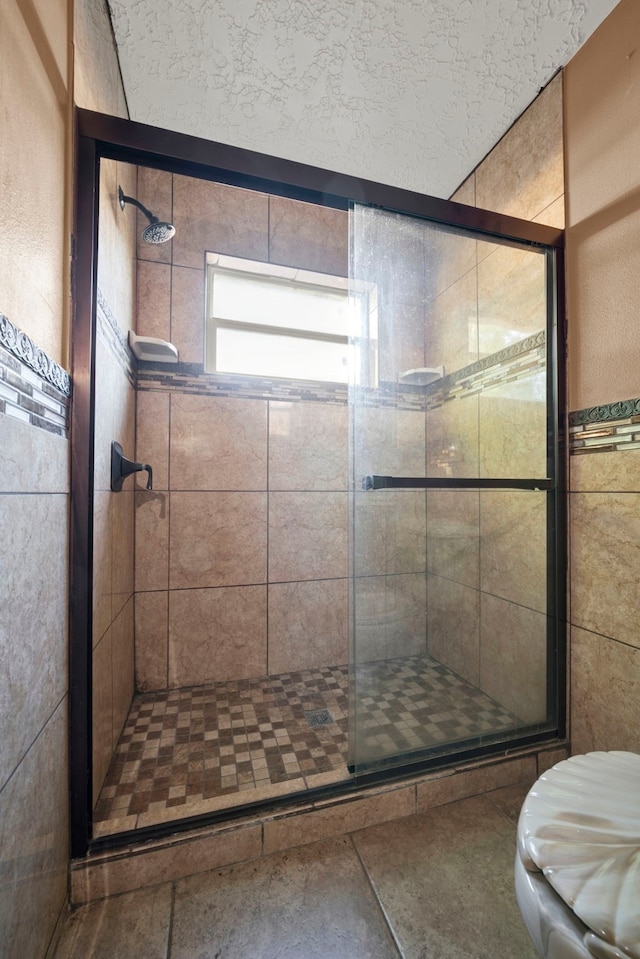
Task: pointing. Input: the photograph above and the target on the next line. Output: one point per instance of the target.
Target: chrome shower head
(157, 231)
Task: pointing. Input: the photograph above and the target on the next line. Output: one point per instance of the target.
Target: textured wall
(602, 87)
(408, 93)
(33, 482)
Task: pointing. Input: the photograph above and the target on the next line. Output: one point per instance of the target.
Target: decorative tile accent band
(27, 396)
(24, 349)
(115, 337)
(503, 359)
(605, 429)
(190, 378)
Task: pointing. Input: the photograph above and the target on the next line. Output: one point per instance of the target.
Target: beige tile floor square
(438, 885)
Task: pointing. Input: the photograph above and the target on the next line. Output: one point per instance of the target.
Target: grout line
(171, 916)
(32, 743)
(383, 912)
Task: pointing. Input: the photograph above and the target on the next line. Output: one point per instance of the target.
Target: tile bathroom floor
(187, 751)
(438, 885)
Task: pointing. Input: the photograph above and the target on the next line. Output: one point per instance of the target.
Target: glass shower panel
(449, 497)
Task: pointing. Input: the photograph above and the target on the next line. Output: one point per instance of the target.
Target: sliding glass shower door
(453, 491)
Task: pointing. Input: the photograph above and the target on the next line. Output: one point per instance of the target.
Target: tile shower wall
(602, 86)
(241, 547)
(113, 571)
(483, 587)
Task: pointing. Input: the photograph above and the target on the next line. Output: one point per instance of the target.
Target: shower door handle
(375, 481)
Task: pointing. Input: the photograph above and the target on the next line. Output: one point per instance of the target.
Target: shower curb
(142, 864)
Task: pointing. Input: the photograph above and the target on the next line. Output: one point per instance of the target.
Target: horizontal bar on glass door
(374, 482)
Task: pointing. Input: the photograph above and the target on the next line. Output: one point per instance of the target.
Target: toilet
(577, 868)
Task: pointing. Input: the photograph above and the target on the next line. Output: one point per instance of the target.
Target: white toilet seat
(578, 860)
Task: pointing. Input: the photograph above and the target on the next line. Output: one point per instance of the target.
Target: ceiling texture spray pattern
(412, 93)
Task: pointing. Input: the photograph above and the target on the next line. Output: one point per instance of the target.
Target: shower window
(266, 320)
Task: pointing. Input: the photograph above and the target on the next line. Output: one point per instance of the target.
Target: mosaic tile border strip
(608, 433)
(515, 362)
(191, 378)
(27, 396)
(114, 336)
(21, 346)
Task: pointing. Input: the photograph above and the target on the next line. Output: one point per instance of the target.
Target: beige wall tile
(307, 446)
(473, 782)
(116, 242)
(513, 657)
(152, 541)
(33, 461)
(152, 437)
(453, 626)
(106, 381)
(33, 629)
(188, 313)
(217, 539)
(389, 442)
(168, 861)
(102, 566)
(605, 532)
(401, 340)
(218, 443)
(308, 236)
(511, 297)
(523, 173)
(452, 325)
(450, 256)
(516, 409)
(615, 472)
(452, 438)
(337, 820)
(215, 218)
(390, 617)
(466, 192)
(217, 634)
(406, 531)
(122, 651)
(513, 546)
(122, 547)
(155, 191)
(151, 638)
(33, 843)
(153, 299)
(453, 535)
(102, 706)
(307, 625)
(605, 693)
(368, 532)
(554, 215)
(307, 536)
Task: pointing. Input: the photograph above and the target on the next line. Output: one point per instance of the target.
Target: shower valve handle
(121, 467)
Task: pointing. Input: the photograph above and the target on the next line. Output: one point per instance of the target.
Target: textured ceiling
(407, 92)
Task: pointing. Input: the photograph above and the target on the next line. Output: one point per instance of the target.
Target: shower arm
(122, 198)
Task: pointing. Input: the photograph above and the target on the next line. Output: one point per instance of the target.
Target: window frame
(217, 264)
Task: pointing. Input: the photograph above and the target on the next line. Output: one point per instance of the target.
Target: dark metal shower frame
(100, 136)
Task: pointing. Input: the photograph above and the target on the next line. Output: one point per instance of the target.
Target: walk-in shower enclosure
(454, 499)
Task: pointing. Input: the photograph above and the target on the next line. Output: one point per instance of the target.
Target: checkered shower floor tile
(186, 746)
